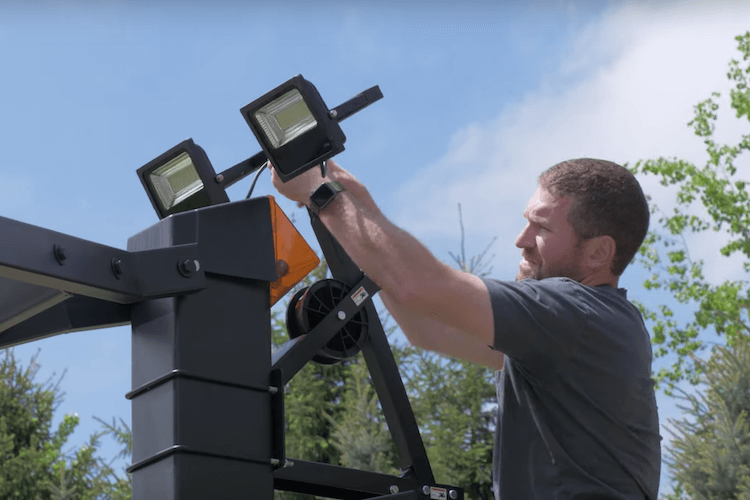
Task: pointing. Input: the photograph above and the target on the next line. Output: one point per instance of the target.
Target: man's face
(548, 242)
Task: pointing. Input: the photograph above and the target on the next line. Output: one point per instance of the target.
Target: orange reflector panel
(294, 257)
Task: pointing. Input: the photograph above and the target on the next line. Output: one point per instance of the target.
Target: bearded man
(577, 416)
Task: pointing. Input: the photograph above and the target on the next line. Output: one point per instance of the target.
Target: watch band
(323, 195)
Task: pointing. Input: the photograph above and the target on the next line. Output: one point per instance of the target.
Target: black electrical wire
(323, 170)
(255, 179)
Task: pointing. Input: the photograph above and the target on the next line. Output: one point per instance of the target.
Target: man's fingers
(332, 165)
(274, 176)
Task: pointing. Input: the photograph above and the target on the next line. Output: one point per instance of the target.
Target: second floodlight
(294, 127)
(181, 179)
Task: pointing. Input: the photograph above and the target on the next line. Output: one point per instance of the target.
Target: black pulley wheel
(310, 305)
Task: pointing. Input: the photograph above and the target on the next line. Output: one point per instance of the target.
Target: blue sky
(479, 99)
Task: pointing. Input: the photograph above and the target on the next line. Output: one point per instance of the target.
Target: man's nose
(525, 238)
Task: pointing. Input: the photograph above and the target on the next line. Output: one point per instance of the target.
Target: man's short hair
(607, 200)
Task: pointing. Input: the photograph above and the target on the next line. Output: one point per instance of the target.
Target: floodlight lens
(285, 118)
(176, 181)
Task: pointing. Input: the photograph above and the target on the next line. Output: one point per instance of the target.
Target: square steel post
(201, 404)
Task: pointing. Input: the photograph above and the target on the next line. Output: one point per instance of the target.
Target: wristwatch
(323, 195)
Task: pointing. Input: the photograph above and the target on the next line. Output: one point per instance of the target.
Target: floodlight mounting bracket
(338, 114)
(355, 104)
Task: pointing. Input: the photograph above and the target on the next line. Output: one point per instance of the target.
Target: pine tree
(360, 434)
(455, 403)
(709, 456)
(33, 465)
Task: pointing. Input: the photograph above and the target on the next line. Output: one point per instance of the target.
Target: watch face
(323, 194)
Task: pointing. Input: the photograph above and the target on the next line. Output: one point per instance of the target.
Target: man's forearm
(433, 335)
(387, 254)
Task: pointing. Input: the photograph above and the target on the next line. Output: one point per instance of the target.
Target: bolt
(341, 315)
(219, 178)
(393, 489)
(59, 254)
(333, 113)
(425, 490)
(188, 267)
(453, 494)
(117, 267)
(282, 268)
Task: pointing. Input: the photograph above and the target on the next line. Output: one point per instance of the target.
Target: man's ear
(600, 252)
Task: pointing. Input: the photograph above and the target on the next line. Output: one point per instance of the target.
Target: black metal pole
(382, 367)
(241, 170)
(201, 399)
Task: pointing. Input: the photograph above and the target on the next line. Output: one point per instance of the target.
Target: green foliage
(709, 199)
(360, 434)
(709, 456)
(456, 407)
(33, 465)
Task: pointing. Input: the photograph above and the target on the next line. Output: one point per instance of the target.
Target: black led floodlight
(295, 127)
(181, 179)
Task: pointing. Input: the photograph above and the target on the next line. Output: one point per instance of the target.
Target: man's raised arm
(403, 268)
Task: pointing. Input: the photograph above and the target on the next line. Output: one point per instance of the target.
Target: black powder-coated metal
(211, 194)
(320, 143)
(383, 369)
(356, 103)
(202, 413)
(207, 398)
(75, 314)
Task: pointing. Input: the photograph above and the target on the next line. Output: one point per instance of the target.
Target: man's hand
(301, 187)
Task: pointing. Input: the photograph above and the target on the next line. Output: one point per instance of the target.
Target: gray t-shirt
(577, 415)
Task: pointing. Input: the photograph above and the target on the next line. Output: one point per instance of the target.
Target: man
(577, 414)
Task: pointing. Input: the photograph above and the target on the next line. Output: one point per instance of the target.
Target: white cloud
(637, 74)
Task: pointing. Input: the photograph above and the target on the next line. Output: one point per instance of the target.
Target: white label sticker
(438, 493)
(360, 295)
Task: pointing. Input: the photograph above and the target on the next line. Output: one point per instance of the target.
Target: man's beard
(531, 272)
(569, 268)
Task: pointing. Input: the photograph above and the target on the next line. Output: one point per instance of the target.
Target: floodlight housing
(294, 127)
(181, 179)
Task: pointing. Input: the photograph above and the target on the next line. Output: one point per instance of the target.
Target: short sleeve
(537, 322)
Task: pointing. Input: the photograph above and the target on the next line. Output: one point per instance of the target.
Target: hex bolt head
(341, 315)
(117, 267)
(425, 490)
(188, 267)
(59, 254)
(333, 113)
(393, 489)
(453, 494)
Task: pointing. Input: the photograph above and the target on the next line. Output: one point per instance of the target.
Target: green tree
(455, 403)
(709, 456)
(360, 434)
(710, 199)
(33, 464)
